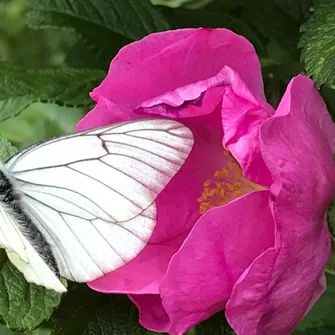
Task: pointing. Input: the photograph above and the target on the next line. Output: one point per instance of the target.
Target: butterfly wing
(22, 254)
(92, 194)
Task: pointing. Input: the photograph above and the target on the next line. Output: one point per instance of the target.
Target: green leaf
(83, 54)
(132, 18)
(215, 15)
(64, 86)
(267, 18)
(191, 4)
(330, 268)
(39, 122)
(328, 95)
(215, 325)
(321, 317)
(316, 331)
(95, 54)
(318, 44)
(23, 306)
(297, 9)
(6, 150)
(104, 26)
(85, 312)
(277, 24)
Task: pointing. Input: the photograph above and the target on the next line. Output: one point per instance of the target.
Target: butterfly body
(82, 205)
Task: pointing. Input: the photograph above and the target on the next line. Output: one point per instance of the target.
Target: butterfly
(82, 205)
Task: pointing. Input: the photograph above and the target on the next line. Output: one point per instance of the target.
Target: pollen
(226, 185)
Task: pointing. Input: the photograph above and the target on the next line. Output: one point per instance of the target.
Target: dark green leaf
(331, 224)
(331, 218)
(132, 18)
(97, 55)
(84, 54)
(23, 306)
(276, 25)
(316, 331)
(297, 9)
(212, 16)
(191, 4)
(40, 121)
(216, 325)
(328, 95)
(64, 86)
(104, 26)
(267, 18)
(85, 312)
(318, 43)
(6, 150)
(321, 317)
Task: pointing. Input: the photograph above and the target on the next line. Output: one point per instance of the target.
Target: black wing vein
(79, 217)
(64, 188)
(126, 174)
(152, 140)
(41, 222)
(78, 240)
(141, 149)
(100, 182)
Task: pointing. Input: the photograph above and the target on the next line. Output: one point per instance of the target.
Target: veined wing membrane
(92, 194)
(120, 169)
(23, 255)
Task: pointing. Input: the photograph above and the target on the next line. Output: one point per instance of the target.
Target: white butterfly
(83, 205)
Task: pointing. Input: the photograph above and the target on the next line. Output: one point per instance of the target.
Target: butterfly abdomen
(11, 199)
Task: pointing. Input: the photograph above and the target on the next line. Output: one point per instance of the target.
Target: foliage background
(63, 42)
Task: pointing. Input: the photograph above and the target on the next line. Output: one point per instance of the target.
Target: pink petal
(280, 285)
(105, 112)
(202, 273)
(190, 92)
(162, 62)
(188, 101)
(242, 116)
(152, 313)
(177, 212)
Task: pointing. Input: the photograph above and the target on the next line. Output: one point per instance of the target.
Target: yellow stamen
(227, 185)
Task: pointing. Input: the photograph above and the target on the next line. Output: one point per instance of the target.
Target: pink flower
(242, 226)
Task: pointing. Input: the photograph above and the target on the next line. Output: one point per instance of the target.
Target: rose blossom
(242, 226)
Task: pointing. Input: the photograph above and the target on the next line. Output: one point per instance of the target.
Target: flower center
(227, 185)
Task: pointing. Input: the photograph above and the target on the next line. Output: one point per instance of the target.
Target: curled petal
(174, 59)
(281, 284)
(242, 116)
(152, 313)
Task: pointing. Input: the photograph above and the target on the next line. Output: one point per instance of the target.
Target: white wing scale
(10, 237)
(92, 194)
(23, 255)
